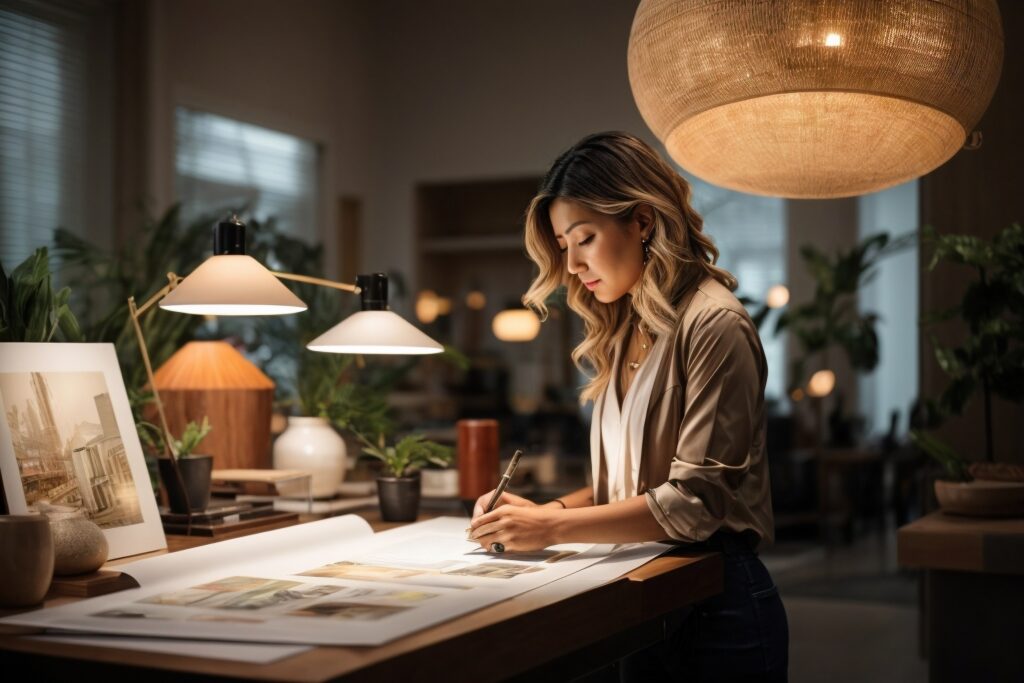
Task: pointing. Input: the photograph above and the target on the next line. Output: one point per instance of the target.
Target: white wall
(299, 68)
(468, 89)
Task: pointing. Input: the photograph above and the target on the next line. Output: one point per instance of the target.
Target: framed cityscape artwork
(67, 438)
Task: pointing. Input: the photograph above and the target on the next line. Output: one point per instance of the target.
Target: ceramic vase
(79, 544)
(310, 444)
(26, 559)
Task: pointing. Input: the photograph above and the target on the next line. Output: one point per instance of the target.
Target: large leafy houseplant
(990, 356)
(831, 318)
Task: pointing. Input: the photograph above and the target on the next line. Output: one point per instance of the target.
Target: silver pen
(504, 480)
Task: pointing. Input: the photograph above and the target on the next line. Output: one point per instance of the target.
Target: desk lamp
(233, 283)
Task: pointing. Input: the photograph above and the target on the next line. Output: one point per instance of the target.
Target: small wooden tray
(90, 585)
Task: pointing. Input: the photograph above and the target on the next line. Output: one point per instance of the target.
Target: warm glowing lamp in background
(476, 300)
(427, 306)
(803, 98)
(777, 297)
(821, 384)
(516, 325)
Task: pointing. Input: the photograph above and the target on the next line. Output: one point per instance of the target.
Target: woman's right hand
(506, 499)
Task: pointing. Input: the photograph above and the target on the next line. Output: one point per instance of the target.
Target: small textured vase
(26, 559)
(310, 444)
(79, 544)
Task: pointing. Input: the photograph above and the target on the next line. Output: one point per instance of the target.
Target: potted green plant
(192, 492)
(398, 487)
(30, 311)
(989, 359)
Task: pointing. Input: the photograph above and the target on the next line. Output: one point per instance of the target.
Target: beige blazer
(702, 463)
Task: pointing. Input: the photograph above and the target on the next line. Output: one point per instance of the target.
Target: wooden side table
(974, 594)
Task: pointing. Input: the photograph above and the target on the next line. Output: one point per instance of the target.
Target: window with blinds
(224, 164)
(43, 66)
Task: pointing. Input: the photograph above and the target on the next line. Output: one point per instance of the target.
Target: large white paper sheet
(332, 582)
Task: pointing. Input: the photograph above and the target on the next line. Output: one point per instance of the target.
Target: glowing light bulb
(833, 40)
(427, 307)
(777, 297)
(516, 325)
(821, 384)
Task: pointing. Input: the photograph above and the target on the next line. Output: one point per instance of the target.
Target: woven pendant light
(813, 98)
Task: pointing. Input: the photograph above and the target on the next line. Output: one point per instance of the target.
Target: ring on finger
(497, 547)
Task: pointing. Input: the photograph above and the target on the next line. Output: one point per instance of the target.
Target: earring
(645, 244)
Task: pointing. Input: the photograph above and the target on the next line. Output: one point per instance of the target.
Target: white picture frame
(67, 437)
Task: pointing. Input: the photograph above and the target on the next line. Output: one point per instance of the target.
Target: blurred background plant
(30, 311)
(990, 355)
(831, 318)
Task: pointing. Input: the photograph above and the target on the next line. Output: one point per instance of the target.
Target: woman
(677, 376)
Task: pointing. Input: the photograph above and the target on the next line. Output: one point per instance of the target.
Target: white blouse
(622, 427)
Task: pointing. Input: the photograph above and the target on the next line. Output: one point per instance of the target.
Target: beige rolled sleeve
(719, 435)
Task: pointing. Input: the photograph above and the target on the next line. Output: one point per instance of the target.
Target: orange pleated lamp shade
(812, 99)
(212, 379)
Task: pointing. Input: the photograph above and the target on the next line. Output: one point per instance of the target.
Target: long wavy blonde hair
(613, 173)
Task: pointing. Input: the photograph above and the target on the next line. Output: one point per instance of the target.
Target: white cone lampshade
(232, 284)
(810, 99)
(375, 332)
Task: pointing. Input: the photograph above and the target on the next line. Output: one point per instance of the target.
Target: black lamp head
(229, 237)
(373, 291)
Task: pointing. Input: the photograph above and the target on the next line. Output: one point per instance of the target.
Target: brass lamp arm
(173, 280)
(136, 312)
(316, 281)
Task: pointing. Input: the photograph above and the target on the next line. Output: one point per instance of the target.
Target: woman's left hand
(519, 529)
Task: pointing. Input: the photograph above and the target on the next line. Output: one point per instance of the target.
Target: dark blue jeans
(740, 634)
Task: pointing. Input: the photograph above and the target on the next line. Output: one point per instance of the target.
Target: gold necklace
(644, 346)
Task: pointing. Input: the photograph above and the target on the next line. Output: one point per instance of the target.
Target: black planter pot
(399, 498)
(195, 478)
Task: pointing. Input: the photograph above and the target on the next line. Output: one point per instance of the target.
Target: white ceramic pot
(310, 444)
